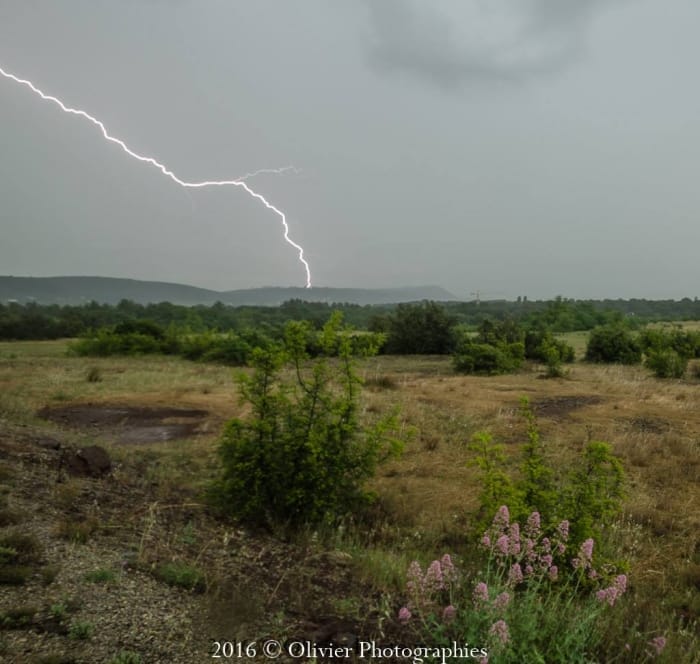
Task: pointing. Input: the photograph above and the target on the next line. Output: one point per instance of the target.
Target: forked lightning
(239, 182)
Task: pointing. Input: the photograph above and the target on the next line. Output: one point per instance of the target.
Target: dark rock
(48, 443)
(92, 461)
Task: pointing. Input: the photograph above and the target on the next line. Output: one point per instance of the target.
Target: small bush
(101, 576)
(666, 363)
(27, 548)
(19, 618)
(126, 657)
(182, 575)
(81, 631)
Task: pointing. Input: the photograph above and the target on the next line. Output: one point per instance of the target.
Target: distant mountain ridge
(110, 290)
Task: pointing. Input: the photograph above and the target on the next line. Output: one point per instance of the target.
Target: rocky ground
(99, 565)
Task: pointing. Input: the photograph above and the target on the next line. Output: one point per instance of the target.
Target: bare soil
(128, 424)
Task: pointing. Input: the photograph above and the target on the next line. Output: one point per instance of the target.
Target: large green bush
(302, 456)
(424, 328)
(473, 357)
(613, 344)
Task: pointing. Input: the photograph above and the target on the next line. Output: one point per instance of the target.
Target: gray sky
(515, 147)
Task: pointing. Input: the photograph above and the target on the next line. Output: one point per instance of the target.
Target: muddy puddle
(129, 425)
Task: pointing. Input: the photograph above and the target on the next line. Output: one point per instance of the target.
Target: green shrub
(589, 493)
(543, 346)
(666, 363)
(81, 631)
(473, 357)
(302, 456)
(613, 344)
(19, 618)
(182, 575)
(101, 576)
(424, 328)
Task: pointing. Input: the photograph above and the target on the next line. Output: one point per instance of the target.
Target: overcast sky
(511, 147)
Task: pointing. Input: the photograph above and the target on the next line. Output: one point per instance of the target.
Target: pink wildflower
(499, 629)
(586, 551)
(503, 544)
(514, 542)
(484, 660)
(414, 583)
(449, 613)
(585, 556)
(530, 549)
(547, 560)
(404, 615)
(481, 593)
(449, 573)
(433, 580)
(563, 531)
(614, 592)
(502, 518)
(502, 601)
(486, 542)
(515, 575)
(658, 643)
(533, 525)
(529, 569)
(553, 573)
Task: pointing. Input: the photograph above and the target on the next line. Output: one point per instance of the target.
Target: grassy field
(152, 506)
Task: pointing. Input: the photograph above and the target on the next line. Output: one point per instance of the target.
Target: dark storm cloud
(470, 40)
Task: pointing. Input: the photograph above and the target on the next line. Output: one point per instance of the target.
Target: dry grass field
(149, 511)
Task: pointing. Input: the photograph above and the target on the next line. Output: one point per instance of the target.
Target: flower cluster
(613, 592)
(426, 589)
(526, 554)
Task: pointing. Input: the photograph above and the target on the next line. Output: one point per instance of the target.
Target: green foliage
(666, 363)
(536, 485)
(18, 618)
(302, 456)
(182, 575)
(81, 631)
(542, 346)
(589, 494)
(613, 344)
(473, 357)
(592, 494)
(424, 328)
(497, 488)
(685, 343)
(101, 576)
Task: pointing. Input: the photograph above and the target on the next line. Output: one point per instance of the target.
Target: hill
(109, 290)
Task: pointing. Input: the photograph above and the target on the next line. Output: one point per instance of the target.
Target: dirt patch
(128, 424)
(555, 407)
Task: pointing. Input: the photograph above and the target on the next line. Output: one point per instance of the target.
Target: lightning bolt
(239, 182)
